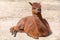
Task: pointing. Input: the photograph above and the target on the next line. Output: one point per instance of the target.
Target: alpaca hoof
(14, 35)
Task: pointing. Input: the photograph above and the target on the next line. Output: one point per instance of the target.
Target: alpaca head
(36, 8)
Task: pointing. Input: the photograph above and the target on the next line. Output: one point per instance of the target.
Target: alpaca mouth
(38, 12)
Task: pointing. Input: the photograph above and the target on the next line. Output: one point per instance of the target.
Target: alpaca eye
(34, 8)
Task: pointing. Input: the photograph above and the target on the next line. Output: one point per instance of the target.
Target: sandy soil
(12, 12)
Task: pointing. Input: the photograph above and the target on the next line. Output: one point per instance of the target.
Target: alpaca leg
(11, 30)
(35, 37)
(21, 29)
(15, 32)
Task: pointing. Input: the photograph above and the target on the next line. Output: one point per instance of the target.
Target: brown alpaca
(35, 26)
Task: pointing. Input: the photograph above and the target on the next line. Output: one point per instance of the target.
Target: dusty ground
(12, 12)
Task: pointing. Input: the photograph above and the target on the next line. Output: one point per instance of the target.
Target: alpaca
(34, 26)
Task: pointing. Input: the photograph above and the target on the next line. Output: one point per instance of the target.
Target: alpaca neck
(38, 16)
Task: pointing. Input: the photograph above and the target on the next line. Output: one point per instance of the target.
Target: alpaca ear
(30, 3)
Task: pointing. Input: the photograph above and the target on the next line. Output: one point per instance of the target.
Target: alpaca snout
(38, 10)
